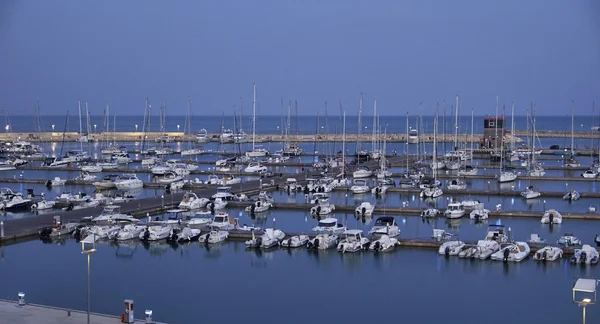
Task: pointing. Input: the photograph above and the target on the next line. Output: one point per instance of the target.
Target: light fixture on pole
(584, 293)
(136, 127)
(53, 127)
(95, 129)
(177, 128)
(88, 246)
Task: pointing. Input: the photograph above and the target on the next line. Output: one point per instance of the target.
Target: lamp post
(136, 127)
(587, 288)
(95, 129)
(7, 128)
(177, 128)
(53, 128)
(88, 246)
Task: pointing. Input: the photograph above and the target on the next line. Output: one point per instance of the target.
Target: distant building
(493, 132)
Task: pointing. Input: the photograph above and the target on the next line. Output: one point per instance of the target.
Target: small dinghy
(365, 209)
(551, 216)
(572, 196)
(479, 214)
(43, 205)
(385, 225)
(430, 213)
(513, 252)
(451, 248)
(130, 232)
(323, 241)
(383, 244)
(295, 241)
(380, 189)
(213, 237)
(56, 182)
(472, 204)
(585, 255)
(530, 193)
(569, 239)
(483, 250)
(259, 206)
(187, 234)
(269, 239)
(548, 253)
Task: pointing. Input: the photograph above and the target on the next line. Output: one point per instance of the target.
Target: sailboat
(433, 191)
(361, 155)
(453, 163)
(535, 168)
(383, 171)
(191, 149)
(109, 148)
(513, 155)
(571, 162)
(437, 165)
(289, 148)
(83, 137)
(256, 151)
(506, 175)
(470, 168)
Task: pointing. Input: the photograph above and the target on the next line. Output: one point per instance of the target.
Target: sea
(227, 283)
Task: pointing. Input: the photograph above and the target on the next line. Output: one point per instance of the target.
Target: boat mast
(512, 129)
(435, 121)
(472, 116)
(456, 125)
(343, 144)
(79, 108)
(532, 133)
(572, 128)
(373, 137)
(254, 117)
(358, 143)
(406, 147)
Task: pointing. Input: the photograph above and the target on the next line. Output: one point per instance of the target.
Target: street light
(587, 287)
(90, 242)
(136, 127)
(95, 130)
(53, 127)
(7, 128)
(177, 128)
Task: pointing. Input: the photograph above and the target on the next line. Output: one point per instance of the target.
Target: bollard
(149, 316)
(21, 299)
(68, 313)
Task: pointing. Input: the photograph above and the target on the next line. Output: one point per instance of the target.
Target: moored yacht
(128, 181)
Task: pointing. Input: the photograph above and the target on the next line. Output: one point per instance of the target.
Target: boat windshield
(413, 132)
(326, 224)
(220, 219)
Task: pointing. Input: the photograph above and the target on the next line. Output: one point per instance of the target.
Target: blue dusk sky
(398, 52)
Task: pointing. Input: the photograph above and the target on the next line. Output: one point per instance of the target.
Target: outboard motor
(49, 183)
(30, 193)
(318, 210)
(168, 188)
(506, 254)
(77, 234)
(364, 210)
(259, 241)
(289, 243)
(597, 240)
(544, 255)
(146, 235)
(70, 207)
(316, 245)
(207, 238)
(447, 251)
(377, 246)
(211, 206)
(582, 257)
(45, 232)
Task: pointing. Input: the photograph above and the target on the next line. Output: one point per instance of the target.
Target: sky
(400, 53)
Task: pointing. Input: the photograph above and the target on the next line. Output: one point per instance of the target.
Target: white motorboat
(222, 221)
(108, 182)
(451, 248)
(353, 241)
(364, 209)
(359, 186)
(170, 177)
(383, 173)
(161, 169)
(430, 213)
(456, 184)
(186, 234)
(121, 158)
(192, 151)
(383, 244)
(530, 193)
(130, 232)
(507, 176)
(150, 161)
(453, 164)
(467, 170)
(257, 152)
(479, 214)
(496, 233)
(213, 237)
(110, 150)
(202, 136)
(536, 239)
(112, 213)
(155, 233)
(571, 162)
(192, 201)
(413, 136)
(217, 204)
(329, 225)
(548, 253)
(15, 202)
(58, 230)
(385, 225)
(314, 199)
(128, 182)
(536, 171)
(43, 204)
(270, 238)
(324, 207)
(323, 241)
(264, 196)
(230, 180)
(362, 172)
(437, 165)
(224, 193)
(585, 255)
(572, 196)
(107, 165)
(291, 184)
(201, 219)
(590, 174)
(431, 192)
(295, 241)
(569, 239)
(454, 210)
(57, 181)
(513, 252)
(259, 206)
(483, 250)
(86, 176)
(380, 189)
(472, 204)
(91, 168)
(255, 167)
(551, 216)
(181, 169)
(425, 183)
(104, 231)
